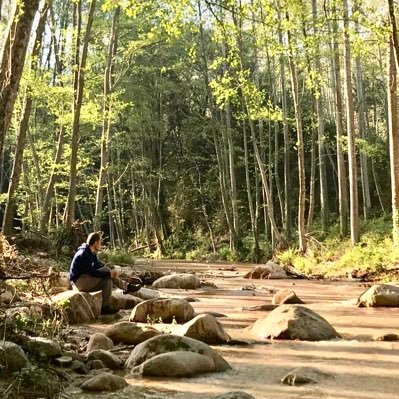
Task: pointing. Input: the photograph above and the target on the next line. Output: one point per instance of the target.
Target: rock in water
(269, 271)
(99, 341)
(108, 358)
(104, 382)
(286, 297)
(293, 322)
(80, 307)
(176, 364)
(204, 328)
(167, 309)
(130, 333)
(119, 300)
(183, 281)
(175, 346)
(304, 375)
(12, 357)
(384, 295)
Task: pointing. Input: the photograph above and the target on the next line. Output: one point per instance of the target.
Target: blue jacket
(86, 262)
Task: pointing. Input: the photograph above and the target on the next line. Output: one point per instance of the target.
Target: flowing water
(360, 367)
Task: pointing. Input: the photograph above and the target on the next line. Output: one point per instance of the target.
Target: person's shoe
(131, 287)
(108, 310)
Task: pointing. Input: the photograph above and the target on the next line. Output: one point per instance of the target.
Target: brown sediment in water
(360, 368)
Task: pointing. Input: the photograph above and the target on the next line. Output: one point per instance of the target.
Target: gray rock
(80, 307)
(63, 361)
(104, 382)
(95, 364)
(286, 297)
(173, 343)
(21, 311)
(304, 375)
(43, 347)
(167, 309)
(204, 328)
(119, 300)
(146, 294)
(99, 341)
(269, 271)
(130, 333)
(384, 295)
(80, 368)
(12, 357)
(176, 364)
(293, 322)
(233, 395)
(183, 281)
(8, 293)
(74, 355)
(387, 337)
(109, 359)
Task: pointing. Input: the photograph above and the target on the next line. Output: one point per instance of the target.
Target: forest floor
(359, 366)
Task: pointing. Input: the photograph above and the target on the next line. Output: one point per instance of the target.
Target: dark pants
(87, 283)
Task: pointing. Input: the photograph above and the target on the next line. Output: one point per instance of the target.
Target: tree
(12, 61)
(350, 117)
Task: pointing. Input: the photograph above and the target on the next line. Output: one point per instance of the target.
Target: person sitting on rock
(90, 275)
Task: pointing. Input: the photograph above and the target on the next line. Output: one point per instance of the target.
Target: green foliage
(117, 256)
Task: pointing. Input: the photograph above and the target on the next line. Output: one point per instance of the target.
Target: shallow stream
(360, 367)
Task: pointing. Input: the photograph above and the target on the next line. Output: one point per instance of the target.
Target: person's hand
(114, 273)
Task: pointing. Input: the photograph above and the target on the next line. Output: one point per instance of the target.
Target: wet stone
(63, 361)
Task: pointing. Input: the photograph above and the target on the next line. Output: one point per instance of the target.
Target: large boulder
(184, 281)
(130, 333)
(165, 309)
(12, 357)
(99, 341)
(80, 307)
(386, 295)
(119, 300)
(204, 328)
(176, 364)
(43, 347)
(144, 358)
(108, 358)
(104, 382)
(293, 322)
(269, 271)
(234, 395)
(286, 297)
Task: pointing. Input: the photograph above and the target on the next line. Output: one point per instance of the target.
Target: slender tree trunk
(324, 206)
(312, 179)
(339, 112)
(21, 139)
(107, 121)
(393, 139)
(300, 146)
(12, 61)
(350, 116)
(69, 215)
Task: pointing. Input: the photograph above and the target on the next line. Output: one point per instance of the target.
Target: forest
(203, 129)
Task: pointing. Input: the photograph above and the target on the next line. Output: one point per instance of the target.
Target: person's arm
(94, 266)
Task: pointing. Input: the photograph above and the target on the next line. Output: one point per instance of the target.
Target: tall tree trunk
(300, 147)
(324, 207)
(362, 134)
(350, 117)
(393, 139)
(21, 139)
(69, 214)
(107, 121)
(12, 61)
(339, 112)
(312, 179)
